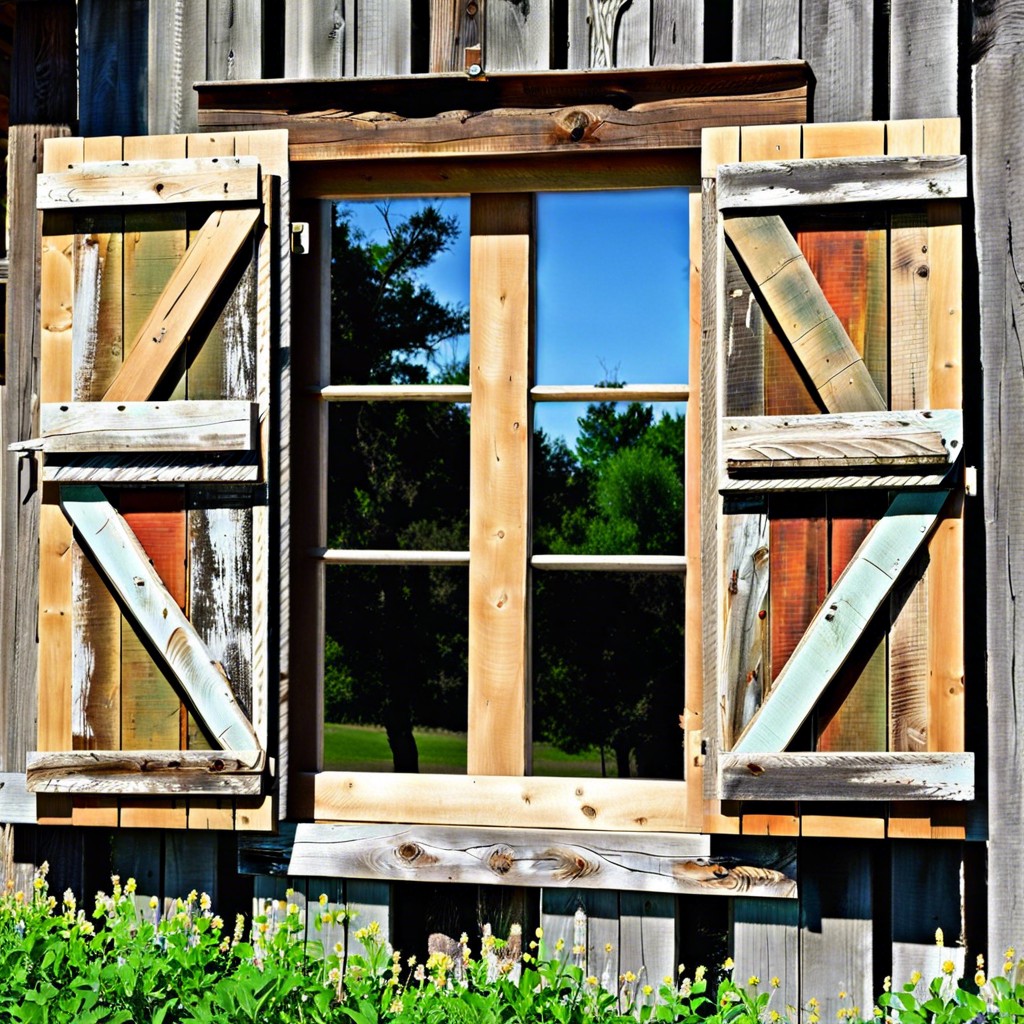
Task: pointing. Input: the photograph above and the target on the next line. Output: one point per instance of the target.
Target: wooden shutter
(155, 420)
(832, 539)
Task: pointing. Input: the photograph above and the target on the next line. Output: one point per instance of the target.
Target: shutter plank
(183, 300)
(841, 619)
(828, 356)
(125, 563)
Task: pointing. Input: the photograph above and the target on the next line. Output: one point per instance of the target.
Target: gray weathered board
(649, 862)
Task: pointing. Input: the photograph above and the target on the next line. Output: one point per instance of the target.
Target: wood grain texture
(183, 300)
(627, 393)
(841, 180)
(234, 40)
(146, 772)
(550, 858)
(677, 32)
(511, 113)
(177, 46)
(319, 39)
(776, 265)
(124, 562)
(836, 38)
(112, 65)
(927, 439)
(611, 563)
(395, 393)
(615, 805)
(501, 265)
(765, 942)
(150, 183)
(454, 27)
(384, 37)
(924, 40)
(847, 776)
(17, 804)
(766, 29)
(852, 602)
(127, 469)
(145, 427)
(517, 36)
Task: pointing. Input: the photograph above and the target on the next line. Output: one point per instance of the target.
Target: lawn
(364, 748)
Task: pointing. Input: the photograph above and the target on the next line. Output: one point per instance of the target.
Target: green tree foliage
(607, 647)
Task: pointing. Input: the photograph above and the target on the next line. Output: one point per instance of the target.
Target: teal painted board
(838, 624)
(117, 553)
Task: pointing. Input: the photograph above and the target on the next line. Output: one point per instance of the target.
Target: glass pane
(608, 674)
(608, 478)
(613, 305)
(398, 476)
(400, 291)
(395, 678)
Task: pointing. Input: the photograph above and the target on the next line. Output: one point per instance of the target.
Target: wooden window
(833, 490)
(155, 425)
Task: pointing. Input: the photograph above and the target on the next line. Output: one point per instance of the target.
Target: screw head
(474, 70)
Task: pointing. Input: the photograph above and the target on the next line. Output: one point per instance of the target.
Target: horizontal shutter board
(125, 563)
(840, 621)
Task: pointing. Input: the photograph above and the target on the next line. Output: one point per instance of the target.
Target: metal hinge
(300, 238)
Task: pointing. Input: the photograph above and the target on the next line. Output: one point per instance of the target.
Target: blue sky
(612, 269)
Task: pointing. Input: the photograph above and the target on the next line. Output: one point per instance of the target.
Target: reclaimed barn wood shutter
(833, 484)
(155, 420)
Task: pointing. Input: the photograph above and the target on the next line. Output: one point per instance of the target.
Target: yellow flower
(774, 1016)
(753, 981)
(607, 947)
(813, 1019)
(698, 975)
(1010, 953)
(647, 990)
(812, 1003)
(130, 886)
(980, 961)
(729, 964)
(629, 977)
(527, 958)
(877, 1012)
(327, 917)
(217, 922)
(915, 977)
(86, 928)
(887, 984)
(153, 901)
(323, 899)
(979, 978)
(948, 967)
(939, 941)
(396, 1006)
(559, 945)
(592, 981)
(539, 933)
(667, 980)
(204, 901)
(411, 962)
(775, 982)
(681, 968)
(842, 994)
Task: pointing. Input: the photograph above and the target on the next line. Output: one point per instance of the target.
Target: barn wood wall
(907, 58)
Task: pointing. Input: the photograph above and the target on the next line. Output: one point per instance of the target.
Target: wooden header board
(159, 257)
(831, 487)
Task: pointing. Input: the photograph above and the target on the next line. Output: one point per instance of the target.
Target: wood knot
(575, 124)
(501, 860)
(409, 852)
(589, 811)
(217, 765)
(755, 769)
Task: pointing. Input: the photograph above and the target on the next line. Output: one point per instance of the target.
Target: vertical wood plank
(501, 264)
(112, 62)
(384, 37)
(766, 943)
(677, 32)
(177, 59)
(838, 39)
(55, 536)
(517, 36)
(632, 36)
(836, 923)
(692, 633)
(647, 938)
(924, 45)
(601, 959)
(234, 40)
(319, 39)
(20, 523)
(766, 29)
(454, 26)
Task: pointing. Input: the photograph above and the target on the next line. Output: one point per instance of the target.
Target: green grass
(364, 748)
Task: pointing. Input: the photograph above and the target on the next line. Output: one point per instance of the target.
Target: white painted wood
(213, 426)
(17, 804)
(350, 556)
(816, 182)
(838, 624)
(198, 772)
(627, 393)
(396, 393)
(924, 439)
(150, 183)
(215, 468)
(611, 563)
(530, 857)
(847, 776)
(116, 551)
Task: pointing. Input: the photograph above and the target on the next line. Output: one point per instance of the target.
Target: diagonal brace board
(776, 266)
(183, 301)
(117, 553)
(839, 623)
